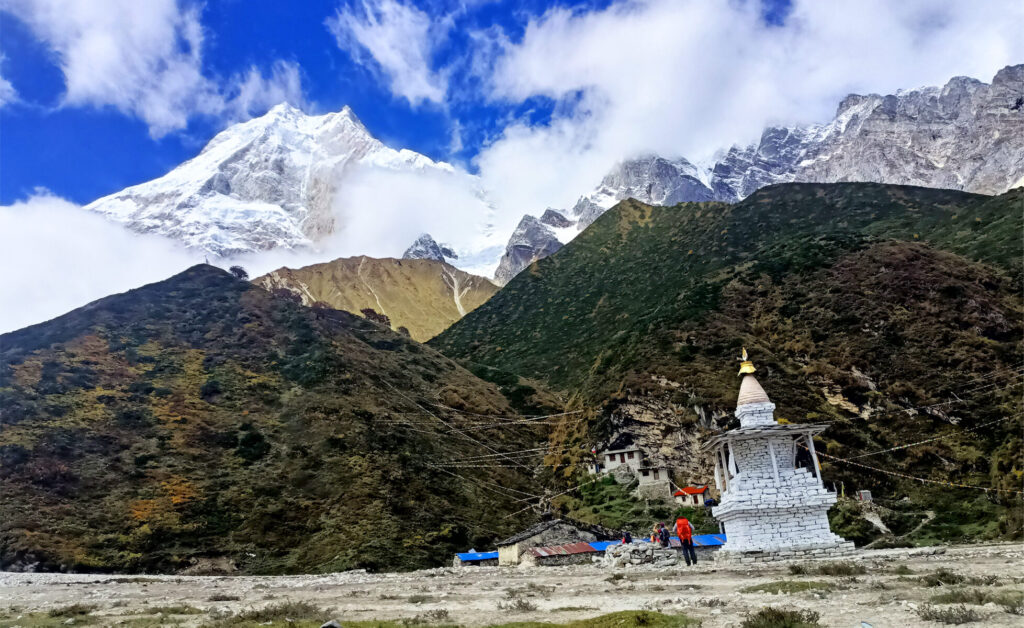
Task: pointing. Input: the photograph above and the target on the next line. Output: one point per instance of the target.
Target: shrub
(1011, 601)
(518, 605)
(770, 617)
(419, 598)
(941, 577)
(953, 615)
(239, 273)
(222, 597)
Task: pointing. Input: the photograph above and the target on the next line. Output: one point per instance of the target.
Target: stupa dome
(751, 392)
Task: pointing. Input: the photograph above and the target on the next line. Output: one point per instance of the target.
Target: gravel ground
(472, 595)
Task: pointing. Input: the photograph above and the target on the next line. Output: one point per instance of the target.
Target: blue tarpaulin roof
(699, 540)
(469, 557)
(603, 545)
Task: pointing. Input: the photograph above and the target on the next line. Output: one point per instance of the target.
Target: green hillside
(423, 296)
(201, 422)
(893, 312)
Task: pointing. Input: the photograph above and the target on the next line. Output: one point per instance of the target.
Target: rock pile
(641, 553)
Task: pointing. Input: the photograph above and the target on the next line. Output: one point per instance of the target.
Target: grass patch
(223, 597)
(419, 598)
(434, 616)
(622, 619)
(771, 617)
(179, 609)
(269, 615)
(900, 570)
(74, 610)
(532, 589)
(953, 615)
(572, 609)
(1011, 601)
(839, 568)
(787, 586)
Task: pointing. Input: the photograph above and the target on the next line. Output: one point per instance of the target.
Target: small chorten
(773, 507)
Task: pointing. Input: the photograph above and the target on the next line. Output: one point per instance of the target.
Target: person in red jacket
(684, 529)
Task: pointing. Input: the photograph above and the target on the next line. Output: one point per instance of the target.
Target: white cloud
(7, 92)
(253, 93)
(689, 77)
(399, 40)
(142, 58)
(145, 60)
(379, 211)
(58, 257)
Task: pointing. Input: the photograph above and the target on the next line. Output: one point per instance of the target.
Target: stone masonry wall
(762, 514)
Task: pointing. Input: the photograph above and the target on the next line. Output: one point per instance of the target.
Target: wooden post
(814, 457)
(720, 459)
(775, 463)
(718, 474)
(732, 459)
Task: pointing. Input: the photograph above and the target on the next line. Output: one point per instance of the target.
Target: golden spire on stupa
(746, 366)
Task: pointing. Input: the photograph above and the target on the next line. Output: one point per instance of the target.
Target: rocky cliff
(532, 240)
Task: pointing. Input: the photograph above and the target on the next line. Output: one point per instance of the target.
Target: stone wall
(529, 559)
(644, 553)
(762, 513)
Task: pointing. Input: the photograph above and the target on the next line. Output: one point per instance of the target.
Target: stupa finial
(746, 366)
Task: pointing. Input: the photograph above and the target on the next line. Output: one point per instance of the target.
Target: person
(663, 535)
(627, 538)
(656, 533)
(685, 531)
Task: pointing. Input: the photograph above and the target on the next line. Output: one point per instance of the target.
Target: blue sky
(81, 152)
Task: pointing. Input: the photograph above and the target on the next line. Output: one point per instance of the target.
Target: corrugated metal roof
(469, 557)
(562, 550)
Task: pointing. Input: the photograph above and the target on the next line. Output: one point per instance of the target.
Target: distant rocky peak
(532, 240)
(425, 247)
(556, 219)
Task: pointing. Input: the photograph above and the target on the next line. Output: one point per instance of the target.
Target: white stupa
(772, 507)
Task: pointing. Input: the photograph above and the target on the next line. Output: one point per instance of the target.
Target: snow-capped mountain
(425, 247)
(651, 179)
(261, 184)
(966, 135)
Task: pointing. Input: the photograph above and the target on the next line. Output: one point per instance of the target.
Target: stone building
(771, 507)
(654, 482)
(550, 532)
(630, 457)
(691, 495)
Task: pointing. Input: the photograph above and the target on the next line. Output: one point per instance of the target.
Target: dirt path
(471, 596)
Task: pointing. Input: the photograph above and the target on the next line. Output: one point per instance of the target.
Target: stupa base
(805, 552)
